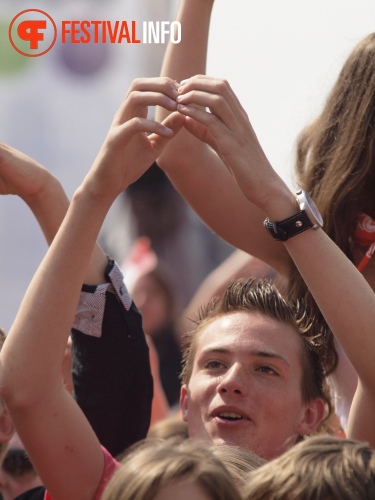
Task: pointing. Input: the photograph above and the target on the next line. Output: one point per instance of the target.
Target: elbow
(15, 389)
(9, 388)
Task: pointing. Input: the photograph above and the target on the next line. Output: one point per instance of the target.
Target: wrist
(95, 198)
(307, 216)
(48, 189)
(279, 202)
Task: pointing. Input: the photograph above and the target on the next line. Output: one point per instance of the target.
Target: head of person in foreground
(319, 468)
(253, 373)
(163, 470)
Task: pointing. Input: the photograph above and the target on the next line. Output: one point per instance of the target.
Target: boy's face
(245, 387)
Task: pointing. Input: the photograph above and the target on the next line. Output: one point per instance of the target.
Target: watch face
(307, 203)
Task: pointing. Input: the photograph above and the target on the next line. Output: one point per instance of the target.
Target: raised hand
(128, 149)
(215, 116)
(21, 175)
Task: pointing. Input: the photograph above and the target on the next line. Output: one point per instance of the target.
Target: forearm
(188, 57)
(49, 207)
(59, 277)
(348, 305)
(210, 189)
(181, 61)
(345, 299)
(30, 375)
(196, 171)
(31, 382)
(132, 144)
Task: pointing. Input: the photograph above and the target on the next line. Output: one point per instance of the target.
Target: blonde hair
(173, 428)
(238, 461)
(319, 468)
(153, 465)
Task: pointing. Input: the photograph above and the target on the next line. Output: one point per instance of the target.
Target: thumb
(200, 131)
(174, 122)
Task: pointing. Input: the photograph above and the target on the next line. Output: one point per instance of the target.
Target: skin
(250, 365)
(199, 172)
(346, 300)
(41, 408)
(212, 178)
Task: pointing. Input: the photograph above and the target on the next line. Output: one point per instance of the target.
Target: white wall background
(280, 56)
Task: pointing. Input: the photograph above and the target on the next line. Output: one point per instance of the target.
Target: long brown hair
(335, 160)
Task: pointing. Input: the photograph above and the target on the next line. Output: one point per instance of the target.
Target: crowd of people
(277, 388)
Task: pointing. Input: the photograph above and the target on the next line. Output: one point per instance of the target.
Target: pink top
(110, 467)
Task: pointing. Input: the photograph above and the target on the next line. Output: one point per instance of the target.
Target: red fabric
(364, 236)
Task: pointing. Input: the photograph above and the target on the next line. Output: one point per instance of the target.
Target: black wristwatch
(307, 218)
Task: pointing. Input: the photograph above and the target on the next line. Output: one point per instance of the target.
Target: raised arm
(22, 176)
(194, 168)
(108, 353)
(342, 294)
(55, 432)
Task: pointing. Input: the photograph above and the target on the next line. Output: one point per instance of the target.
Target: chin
(228, 441)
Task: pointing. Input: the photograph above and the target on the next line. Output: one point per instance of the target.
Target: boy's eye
(267, 369)
(213, 364)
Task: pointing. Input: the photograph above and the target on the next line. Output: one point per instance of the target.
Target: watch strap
(287, 228)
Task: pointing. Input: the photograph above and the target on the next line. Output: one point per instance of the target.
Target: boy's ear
(312, 416)
(184, 402)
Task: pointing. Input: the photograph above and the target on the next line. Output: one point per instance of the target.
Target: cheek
(281, 402)
(202, 389)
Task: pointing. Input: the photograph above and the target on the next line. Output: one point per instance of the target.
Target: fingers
(191, 99)
(200, 131)
(159, 133)
(217, 104)
(131, 117)
(137, 103)
(201, 92)
(159, 84)
(174, 123)
(209, 85)
(145, 92)
(136, 125)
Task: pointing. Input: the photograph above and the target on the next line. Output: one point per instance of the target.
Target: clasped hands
(208, 109)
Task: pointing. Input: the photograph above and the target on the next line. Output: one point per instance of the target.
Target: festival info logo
(38, 30)
(35, 28)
